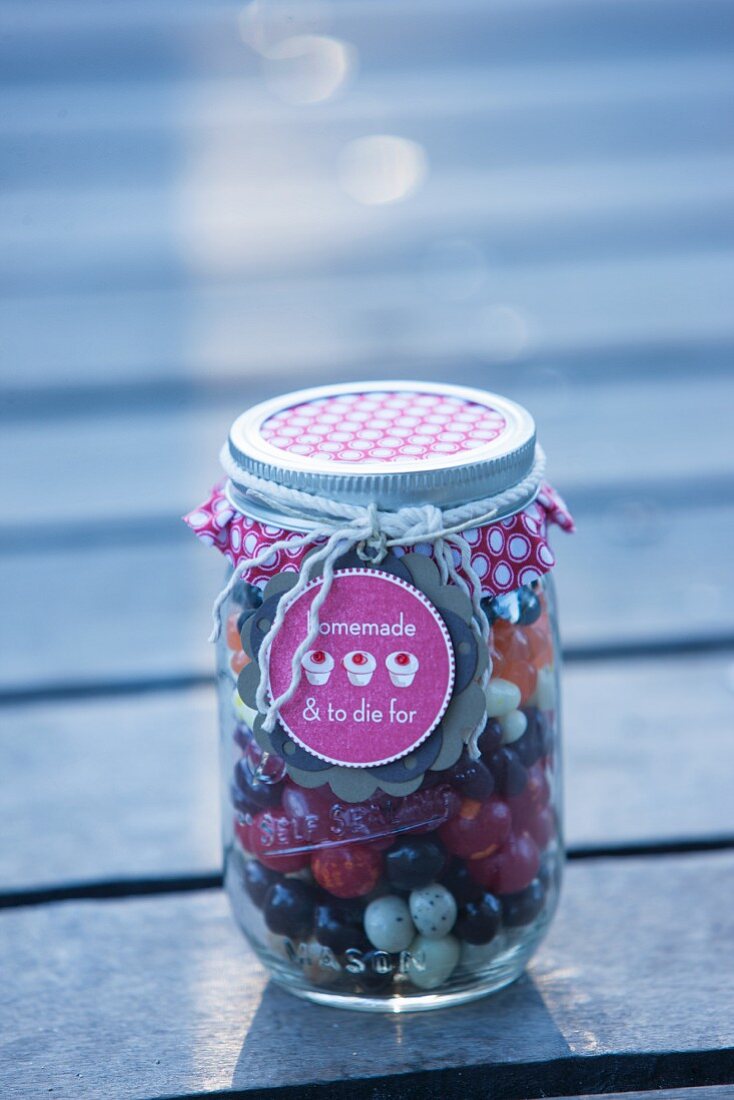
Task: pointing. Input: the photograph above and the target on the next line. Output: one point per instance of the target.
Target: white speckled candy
(242, 712)
(513, 726)
(502, 697)
(432, 961)
(545, 692)
(433, 910)
(387, 924)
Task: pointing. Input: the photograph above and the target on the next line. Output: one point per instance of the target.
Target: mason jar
(388, 675)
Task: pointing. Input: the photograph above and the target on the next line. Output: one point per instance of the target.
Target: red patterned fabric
(506, 554)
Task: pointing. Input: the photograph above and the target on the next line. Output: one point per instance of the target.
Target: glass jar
(394, 840)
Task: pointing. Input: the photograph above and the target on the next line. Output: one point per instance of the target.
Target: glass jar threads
(388, 675)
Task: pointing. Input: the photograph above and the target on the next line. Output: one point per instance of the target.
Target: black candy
(339, 926)
(472, 778)
(490, 738)
(288, 907)
(263, 794)
(531, 746)
(458, 881)
(530, 609)
(258, 879)
(378, 971)
(413, 863)
(479, 921)
(523, 907)
(510, 774)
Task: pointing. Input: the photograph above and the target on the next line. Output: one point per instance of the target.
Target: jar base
(418, 1002)
(503, 971)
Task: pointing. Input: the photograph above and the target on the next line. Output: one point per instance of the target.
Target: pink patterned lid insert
(407, 426)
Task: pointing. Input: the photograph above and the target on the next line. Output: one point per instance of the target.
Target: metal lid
(391, 443)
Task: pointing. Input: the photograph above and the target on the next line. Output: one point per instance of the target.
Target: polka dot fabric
(505, 555)
(409, 426)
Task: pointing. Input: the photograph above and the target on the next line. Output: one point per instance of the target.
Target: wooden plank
(108, 614)
(64, 41)
(251, 219)
(336, 327)
(95, 478)
(127, 788)
(159, 997)
(160, 106)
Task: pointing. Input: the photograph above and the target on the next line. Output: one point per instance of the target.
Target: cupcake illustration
(360, 667)
(318, 666)
(402, 668)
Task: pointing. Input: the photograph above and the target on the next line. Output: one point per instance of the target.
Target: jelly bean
(238, 662)
(540, 642)
(242, 802)
(233, 632)
(510, 869)
(318, 963)
(478, 829)
(263, 794)
(410, 864)
(535, 796)
(457, 879)
(388, 924)
(479, 921)
(490, 738)
(502, 697)
(273, 841)
(531, 746)
(530, 606)
(243, 713)
(543, 827)
(513, 725)
(432, 961)
(288, 907)
(433, 909)
(506, 607)
(258, 879)
(267, 767)
(472, 778)
(510, 775)
(524, 906)
(376, 970)
(544, 696)
(338, 925)
(349, 871)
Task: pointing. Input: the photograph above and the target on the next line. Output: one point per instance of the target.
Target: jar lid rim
(489, 467)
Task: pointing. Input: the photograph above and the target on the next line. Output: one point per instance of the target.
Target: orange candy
(233, 635)
(512, 657)
(238, 662)
(540, 641)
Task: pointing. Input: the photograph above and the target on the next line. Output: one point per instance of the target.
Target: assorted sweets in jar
(388, 676)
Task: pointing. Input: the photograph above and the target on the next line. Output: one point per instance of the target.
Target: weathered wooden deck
(174, 244)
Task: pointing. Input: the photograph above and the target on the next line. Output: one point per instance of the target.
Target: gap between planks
(116, 889)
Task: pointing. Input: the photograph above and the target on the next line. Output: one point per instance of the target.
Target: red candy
(325, 819)
(318, 657)
(348, 871)
(478, 829)
(511, 869)
(275, 842)
(402, 659)
(534, 798)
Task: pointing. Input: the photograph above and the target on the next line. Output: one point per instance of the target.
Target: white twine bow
(344, 527)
